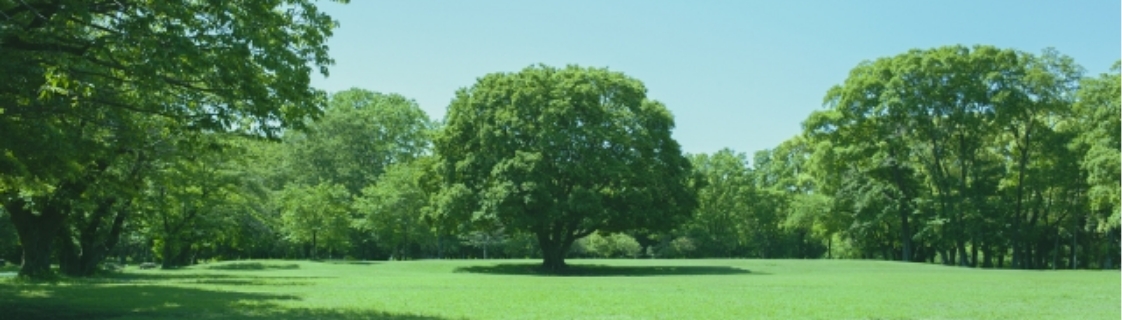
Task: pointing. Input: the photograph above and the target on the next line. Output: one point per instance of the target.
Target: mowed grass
(593, 289)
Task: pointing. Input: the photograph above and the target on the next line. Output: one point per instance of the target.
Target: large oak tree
(562, 153)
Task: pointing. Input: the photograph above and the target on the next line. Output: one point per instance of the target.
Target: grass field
(594, 289)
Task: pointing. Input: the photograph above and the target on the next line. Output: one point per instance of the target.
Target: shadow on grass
(584, 270)
(353, 262)
(100, 301)
(181, 276)
(244, 266)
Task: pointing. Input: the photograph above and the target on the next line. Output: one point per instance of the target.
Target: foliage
(360, 135)
(392, 209)
(616, 245)
(563, 153)
(725, 203)
(956, 154)
(148, 131)
(317, 215)
(84, 83)
(1098, 127)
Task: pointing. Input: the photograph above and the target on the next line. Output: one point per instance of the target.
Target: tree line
(215, 147)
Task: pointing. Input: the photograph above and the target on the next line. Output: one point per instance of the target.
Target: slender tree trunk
(439, 244)
(960, 240)
(314, 245)
(1056, 250)
(829, 247)
(974, 254)
(1075, 245)
(169, 256)
(1018, 234)
(905, 209)
(987, 256)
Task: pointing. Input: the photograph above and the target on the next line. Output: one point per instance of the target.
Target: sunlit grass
(593, 289)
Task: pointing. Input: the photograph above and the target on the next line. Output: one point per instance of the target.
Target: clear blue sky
(736, 74)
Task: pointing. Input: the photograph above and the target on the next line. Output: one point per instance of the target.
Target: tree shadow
(176, 276)
(101, 301)
(586, 270)
(246, 266)
(353, 262)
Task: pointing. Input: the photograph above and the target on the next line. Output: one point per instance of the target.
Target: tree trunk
(552, 259)
(1017, 232)
(987, 257)
(553, 253)
(960, 242)
(439, 245)
(1056, 250)
(313, 245)
(829, 247)
(1074, 246)
(974, 254)
(168, 256)
(36, 235)
(905, 209)
(69, 253)
(81, 259)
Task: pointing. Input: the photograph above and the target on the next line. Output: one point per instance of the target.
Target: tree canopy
(82, 82)
(562, 153)
(180, 131)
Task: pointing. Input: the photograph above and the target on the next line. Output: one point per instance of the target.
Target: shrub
(110, 267)
(681, 247)
(616, 245)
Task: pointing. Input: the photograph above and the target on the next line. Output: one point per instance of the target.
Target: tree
(72, 70)
(930, 134)
(1097, 112)
(392, 209)
(719, 224)
(318, 215)
(197, 199)
(360, 134)
(563, 153)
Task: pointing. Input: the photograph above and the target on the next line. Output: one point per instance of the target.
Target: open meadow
(592, 289)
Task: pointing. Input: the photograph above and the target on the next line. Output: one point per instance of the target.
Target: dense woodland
(185, 133)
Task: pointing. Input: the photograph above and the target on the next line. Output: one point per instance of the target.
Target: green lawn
(594, 289)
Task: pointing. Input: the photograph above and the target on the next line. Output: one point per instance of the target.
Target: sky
(736, 74)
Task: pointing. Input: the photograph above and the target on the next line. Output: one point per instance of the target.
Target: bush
(616, 245)
(110, 267)
(681, 247)
(522, 246)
